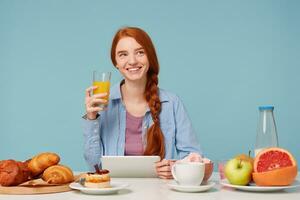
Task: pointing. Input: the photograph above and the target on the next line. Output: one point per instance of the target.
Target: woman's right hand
(92, 102)
(164, 168)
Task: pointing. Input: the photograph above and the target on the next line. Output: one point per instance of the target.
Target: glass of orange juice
(102, 81)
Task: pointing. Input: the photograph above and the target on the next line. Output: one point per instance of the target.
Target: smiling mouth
(133, 69)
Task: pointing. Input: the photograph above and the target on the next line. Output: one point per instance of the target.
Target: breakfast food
(13, 172)
(44, 165)
(238, 172)
(58, 174)
(101, 179)
(246, 157)
(42, 161)
(274, 167)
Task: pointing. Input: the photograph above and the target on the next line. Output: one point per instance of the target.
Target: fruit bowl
(209, 168)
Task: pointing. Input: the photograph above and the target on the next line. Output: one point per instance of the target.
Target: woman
(141, 118)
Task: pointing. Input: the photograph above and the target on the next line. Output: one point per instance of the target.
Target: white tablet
(130, 166)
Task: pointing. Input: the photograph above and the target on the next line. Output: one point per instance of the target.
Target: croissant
(58, 174)
(42, 161)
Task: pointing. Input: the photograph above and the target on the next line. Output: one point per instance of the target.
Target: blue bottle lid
(266, 107)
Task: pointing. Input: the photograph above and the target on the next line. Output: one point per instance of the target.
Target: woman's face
(131, 59)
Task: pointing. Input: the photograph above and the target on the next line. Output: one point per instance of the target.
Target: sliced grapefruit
(273, 158)
(278, 177)
(274, 167)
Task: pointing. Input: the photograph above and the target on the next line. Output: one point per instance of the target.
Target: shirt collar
(115, 93)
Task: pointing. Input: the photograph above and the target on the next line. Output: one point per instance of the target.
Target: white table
(156, 189)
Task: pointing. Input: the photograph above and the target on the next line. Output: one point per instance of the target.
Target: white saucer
(254, 188)
(193, 188)
(115, 187)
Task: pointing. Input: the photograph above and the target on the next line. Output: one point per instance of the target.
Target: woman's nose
(132, 60)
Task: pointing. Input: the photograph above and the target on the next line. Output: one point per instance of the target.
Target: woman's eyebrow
(140, 48)
(122, 51)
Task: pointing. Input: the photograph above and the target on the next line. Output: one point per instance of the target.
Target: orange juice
(102, 87)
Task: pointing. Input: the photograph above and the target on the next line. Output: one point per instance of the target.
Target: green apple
(238, 171)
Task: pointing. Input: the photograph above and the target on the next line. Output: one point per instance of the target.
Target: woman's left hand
(163, 168)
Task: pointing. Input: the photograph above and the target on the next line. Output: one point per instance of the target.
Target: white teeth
(133, 69)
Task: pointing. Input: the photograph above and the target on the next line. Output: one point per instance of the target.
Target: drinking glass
(102, 81)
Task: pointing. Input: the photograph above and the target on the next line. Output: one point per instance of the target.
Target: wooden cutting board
(34, 190)
(37, 186)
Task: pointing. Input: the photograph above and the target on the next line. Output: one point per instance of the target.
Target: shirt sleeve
(185, 136)
(93, 147)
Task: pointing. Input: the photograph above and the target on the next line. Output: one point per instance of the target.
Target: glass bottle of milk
(266, 130)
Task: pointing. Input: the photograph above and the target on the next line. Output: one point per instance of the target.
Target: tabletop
(154, 188)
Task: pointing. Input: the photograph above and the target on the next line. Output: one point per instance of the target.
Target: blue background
(223, 58)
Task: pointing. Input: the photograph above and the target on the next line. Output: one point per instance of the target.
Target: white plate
(197, 188)
(252, 187)
(115, 187)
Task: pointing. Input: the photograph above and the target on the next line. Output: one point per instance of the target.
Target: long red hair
(155, 137)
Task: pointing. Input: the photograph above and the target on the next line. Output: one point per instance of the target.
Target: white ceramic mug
(188, 173)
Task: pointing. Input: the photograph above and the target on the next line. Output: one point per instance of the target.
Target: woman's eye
(140, 53)
(122, 55)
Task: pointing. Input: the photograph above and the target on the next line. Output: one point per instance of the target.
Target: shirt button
(95, 123)
(95, 131)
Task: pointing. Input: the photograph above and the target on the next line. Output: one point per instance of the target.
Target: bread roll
(13, 172)
(42, 161)
(58, 174)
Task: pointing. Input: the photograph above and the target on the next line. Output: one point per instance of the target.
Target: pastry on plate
(100, 179)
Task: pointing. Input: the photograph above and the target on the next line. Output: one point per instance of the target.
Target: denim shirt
(106, 134)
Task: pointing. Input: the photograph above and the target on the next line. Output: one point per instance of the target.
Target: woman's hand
(163, 168)
(92, 102)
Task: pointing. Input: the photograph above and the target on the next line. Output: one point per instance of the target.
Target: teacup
(188, 173)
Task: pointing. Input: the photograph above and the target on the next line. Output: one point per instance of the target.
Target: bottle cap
(266, 107)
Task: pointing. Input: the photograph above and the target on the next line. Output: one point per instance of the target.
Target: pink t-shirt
(133, 135)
